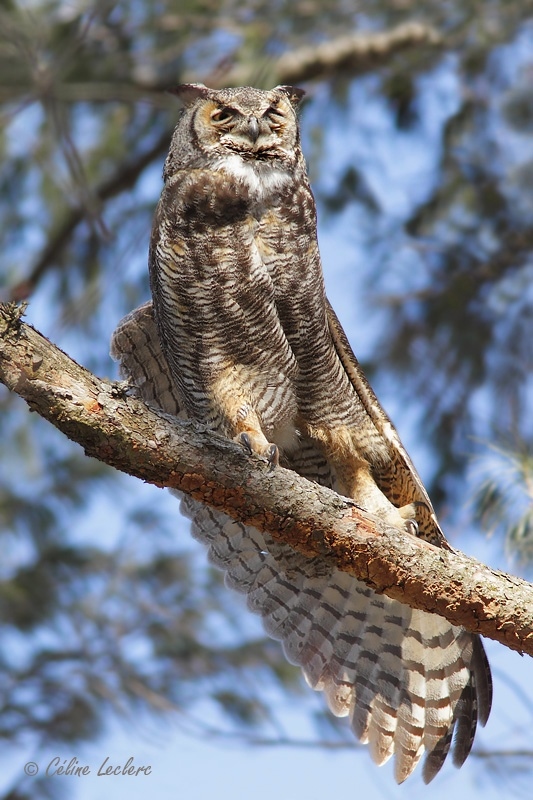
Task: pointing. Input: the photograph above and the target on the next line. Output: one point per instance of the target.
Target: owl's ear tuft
(189, 92)
(293, 93)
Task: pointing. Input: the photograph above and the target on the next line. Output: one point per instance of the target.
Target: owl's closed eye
(251, 123)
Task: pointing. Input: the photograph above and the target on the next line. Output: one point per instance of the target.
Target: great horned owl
(242, 338)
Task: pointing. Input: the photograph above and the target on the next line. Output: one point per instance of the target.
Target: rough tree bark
(120, 430)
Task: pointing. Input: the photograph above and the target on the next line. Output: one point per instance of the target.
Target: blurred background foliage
(418, 131)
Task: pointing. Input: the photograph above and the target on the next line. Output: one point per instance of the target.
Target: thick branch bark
(123, 432)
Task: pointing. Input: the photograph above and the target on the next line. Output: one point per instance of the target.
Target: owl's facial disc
(253, 134)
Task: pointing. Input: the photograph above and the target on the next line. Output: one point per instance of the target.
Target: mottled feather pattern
(241, 338)
(136, 346)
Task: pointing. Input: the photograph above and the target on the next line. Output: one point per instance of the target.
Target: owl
(241, 337)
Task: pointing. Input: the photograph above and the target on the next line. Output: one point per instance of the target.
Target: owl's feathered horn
(190, 92)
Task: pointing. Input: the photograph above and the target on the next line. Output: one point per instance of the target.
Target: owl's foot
(253, 443)
(408, 513)
(403, 518)
(363, 489)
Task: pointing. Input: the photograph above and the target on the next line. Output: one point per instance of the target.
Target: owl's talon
(411, 526)
(272, 456)
(246, 442)
(270, 452)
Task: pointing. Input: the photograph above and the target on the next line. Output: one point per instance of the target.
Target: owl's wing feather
(398, 479)
(408, 680)
(135, 345)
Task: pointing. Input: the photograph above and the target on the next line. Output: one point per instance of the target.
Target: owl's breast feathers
(219, 260)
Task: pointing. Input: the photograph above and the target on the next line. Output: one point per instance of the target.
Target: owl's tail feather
(410, 682)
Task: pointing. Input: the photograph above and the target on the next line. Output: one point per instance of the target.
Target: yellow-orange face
(247, 121)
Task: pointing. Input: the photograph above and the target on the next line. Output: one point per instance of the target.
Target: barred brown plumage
(241, 338)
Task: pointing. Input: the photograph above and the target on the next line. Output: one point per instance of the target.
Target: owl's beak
(253, 129)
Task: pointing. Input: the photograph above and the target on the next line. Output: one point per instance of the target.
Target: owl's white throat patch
(260, 179)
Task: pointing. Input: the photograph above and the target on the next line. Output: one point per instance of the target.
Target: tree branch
(353, 54)
(123, 432)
